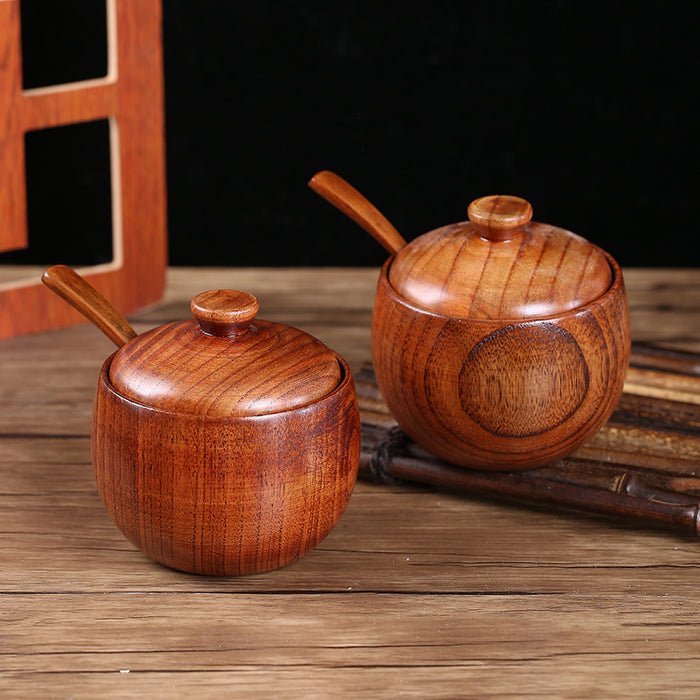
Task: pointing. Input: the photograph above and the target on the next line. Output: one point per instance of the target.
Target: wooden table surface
(415, 593)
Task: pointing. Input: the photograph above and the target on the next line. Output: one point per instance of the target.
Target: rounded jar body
(501, 394)
(226, 495)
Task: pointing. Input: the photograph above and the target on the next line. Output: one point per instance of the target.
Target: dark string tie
(392, 442)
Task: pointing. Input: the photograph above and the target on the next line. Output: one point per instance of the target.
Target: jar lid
(500, 265)
(225, 363)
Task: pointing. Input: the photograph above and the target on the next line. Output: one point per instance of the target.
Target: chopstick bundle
(644, 464)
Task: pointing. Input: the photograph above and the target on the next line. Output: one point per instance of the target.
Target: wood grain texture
(540, 270)
(495, 393)
(497, 265)
(414, 592)
(225, 495)
(224, 312)
(220, 446)
(667, 496)
(497, 343)
(499, 217)
(355, 205)
(327, 647)
(13, 200)
(131, 96)
(81, 295)
(262, 367)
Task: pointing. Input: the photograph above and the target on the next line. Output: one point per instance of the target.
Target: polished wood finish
(131, 97)
(220, 446)
(415, 591)
(499, 217)
(226, 495)
(81, 295)
(499, 265)
(500, 394)
(224, 312)
(498, 342)
(345, 197)
(224, 364)
(615, 477)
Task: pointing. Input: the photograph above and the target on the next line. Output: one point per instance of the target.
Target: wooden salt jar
(224, 445)
(499, 342)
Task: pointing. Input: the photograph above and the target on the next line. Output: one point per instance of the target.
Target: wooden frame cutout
(131, 97)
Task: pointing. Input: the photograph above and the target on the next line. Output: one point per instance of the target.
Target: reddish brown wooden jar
(225, 445)
(499, 342)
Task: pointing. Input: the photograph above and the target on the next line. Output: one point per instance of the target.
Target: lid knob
(499, 217)
(224, 312)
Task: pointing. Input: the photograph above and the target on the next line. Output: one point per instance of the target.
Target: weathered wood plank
(528, 678)
(361, 644)
(400, 538)
(415, 592)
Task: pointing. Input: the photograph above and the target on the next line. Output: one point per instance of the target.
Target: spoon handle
(346, 198)
(80, 294)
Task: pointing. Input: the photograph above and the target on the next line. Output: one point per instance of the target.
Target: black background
(584, 108)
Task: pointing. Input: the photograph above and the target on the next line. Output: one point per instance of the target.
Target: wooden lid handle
(499, 217)
(224, 312)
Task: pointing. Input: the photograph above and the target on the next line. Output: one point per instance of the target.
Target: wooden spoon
(80, 294)
(345, 197)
